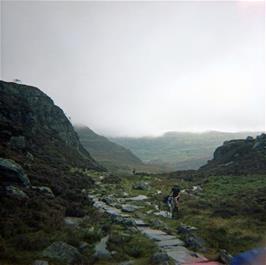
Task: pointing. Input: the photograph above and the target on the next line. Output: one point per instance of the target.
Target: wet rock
(16, 193)
(160, 258)
(44, 190)
(17, 142)
(40, 262)
(141, 186)
(11, 172)
(63, 252)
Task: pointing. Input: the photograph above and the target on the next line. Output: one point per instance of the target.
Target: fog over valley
(137, 69)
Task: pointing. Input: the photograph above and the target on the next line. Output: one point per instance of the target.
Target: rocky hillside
(109, 154)
(239, 157)
(42, 171)
(178, 150)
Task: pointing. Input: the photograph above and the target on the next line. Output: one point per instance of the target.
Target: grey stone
(40, 262)
(63, 252)
(130, 262)
(138, 198)
(72, 221)
(182, 255)
(195, 242)
(17, 142)
(101, 250)
(15, 192)
(141, 186)
(11, 172)
(45, 190)
(129, 208)
(160, 258)
(170, 243)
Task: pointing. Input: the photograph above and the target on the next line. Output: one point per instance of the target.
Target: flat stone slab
(170, 243)
(182, 255)
(138, 198)
(139, 222)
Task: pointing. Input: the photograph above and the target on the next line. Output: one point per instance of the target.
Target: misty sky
(142, 68)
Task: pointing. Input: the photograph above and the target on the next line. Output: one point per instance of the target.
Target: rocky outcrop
(63, 252)
(31, 122)
(12, 173)
(244, 156)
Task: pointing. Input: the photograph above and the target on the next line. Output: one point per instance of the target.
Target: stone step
(170, 243)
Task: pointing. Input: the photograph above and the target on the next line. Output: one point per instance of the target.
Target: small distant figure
(173, 201)
(134, 171)
(18, 81)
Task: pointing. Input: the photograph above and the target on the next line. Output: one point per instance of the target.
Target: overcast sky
(142, 68)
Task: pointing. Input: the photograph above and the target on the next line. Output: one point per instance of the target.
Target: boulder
(16, 193)
(141, 186)
(160, 258)
(63, 252)
(12, 173)
(195, 242)
(45, 190)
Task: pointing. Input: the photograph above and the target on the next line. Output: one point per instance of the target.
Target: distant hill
(179, 150)
(244, 156)
(113, 156)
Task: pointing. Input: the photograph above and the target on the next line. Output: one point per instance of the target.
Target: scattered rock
(160, 258)
(164, 214)
(185, 229)
(45, 190)
(17, 142)
(40, 262)
(129, 208)
(130, 262)
(138, 198)
(108, 200)
(63, 252)
(195, 242)
(141, 186)
(72, 221)
(11, 173)
(15, 192)
(101, 250)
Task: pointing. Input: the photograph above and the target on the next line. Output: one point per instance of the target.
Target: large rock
(15, 192)
(160, 258)
(141, 186)
(63, 252)
(12, 173)
(44, 190)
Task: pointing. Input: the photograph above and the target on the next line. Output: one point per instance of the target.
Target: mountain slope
(109, 154)
(178, 150)
(43, 170)
(244, 156)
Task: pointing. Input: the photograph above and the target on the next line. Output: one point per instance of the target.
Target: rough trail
(167, 243)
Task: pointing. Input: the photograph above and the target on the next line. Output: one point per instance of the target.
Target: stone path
(173, 246)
